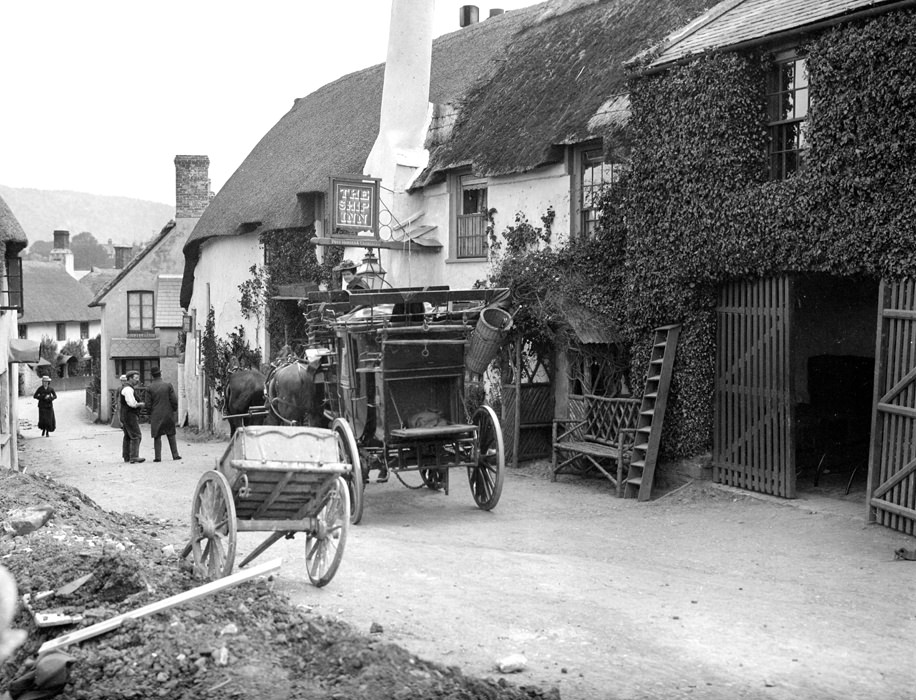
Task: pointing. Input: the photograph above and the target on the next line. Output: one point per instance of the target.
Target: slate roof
(51, 295)
(737, 21)
(103, 292)
(524, 81)
(11, 231)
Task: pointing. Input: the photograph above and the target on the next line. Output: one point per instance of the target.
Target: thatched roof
(554, 84)
(51, 295)
(509, 89)
(11, 232)
(737, 21)
(331, 132)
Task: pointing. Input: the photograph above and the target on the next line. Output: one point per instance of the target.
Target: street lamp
(371, 270)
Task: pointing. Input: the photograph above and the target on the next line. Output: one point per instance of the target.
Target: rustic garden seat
(600, 440)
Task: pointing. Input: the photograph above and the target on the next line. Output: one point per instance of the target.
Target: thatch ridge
(11, 232)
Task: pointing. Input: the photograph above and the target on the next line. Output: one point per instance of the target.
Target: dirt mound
(244, 642)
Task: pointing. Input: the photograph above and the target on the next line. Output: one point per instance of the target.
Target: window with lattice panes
(140, 312)
(595, 175)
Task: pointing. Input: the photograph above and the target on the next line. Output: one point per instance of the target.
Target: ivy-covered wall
(698, 208)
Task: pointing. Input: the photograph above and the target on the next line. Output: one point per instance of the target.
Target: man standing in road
(130, 420)
(163, 404)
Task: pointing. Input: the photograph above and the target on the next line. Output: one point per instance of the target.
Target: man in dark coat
(130, 419)
(163, 404)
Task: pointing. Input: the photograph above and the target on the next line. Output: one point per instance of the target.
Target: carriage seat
(600, 441)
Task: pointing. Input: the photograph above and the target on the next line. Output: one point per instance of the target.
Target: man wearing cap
(348, 277)
(163, 403)
(130, 419)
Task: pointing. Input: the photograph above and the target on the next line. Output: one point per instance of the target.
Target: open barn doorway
(833, 369)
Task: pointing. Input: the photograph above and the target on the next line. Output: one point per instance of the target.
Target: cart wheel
(433, 478)
(213, 527)
(349, 453)
(486, 478)
(324, 547)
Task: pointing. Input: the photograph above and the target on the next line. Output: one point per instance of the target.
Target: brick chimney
(61, 252)
(122, 255)
(192, 186)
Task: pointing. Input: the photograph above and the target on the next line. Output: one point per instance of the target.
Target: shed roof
(11, 232)
(734, 22)
(51, 295)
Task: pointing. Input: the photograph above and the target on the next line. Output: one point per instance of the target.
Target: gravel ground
(243, 642)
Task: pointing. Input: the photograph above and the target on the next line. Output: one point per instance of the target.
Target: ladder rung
(644, 447)
(661, 344)
(650, 412)
(654, 379)
(644, 429)
(658, 361)
(638, 464)
(651, 395)
(635, 481)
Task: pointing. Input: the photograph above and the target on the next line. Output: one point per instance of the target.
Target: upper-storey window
(471, 219)
(139, 312)
(787, 104)
(11, 284)
(592, 175)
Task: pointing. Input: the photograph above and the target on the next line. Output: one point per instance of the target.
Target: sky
(99, 96)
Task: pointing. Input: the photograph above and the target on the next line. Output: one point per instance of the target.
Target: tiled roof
(51, 295)
(134, 347)
(168, 310)
(736, 21)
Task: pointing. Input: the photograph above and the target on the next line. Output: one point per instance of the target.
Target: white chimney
(61, 252)
(398, 154)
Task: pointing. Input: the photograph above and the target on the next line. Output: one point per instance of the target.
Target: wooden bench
(598, 436)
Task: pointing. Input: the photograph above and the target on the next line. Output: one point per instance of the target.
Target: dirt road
(706, 592)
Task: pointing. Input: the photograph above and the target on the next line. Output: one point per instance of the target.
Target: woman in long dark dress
(46, 396)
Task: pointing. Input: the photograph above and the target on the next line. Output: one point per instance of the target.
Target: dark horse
(244, 389)
(290, 395)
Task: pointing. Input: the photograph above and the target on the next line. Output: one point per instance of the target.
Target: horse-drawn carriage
(393, 370)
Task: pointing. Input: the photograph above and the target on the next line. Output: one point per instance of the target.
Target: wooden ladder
(644, 456)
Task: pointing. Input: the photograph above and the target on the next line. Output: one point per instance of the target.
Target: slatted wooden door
(753, 433)
(891, 490)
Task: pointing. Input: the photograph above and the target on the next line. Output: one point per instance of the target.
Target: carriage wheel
(324, 547)
(433, 478)
(213, 527)
(349, 453)
(486, 478)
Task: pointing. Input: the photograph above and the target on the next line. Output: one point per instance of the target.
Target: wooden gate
(527, 404)
(891, 490)
(753, 432)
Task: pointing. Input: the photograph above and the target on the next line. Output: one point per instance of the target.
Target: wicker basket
(486, 338)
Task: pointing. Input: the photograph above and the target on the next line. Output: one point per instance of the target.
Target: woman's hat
(345, 265)
(123, 378)
(46, 378)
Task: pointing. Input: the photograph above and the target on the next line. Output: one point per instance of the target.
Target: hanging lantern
(371, 270)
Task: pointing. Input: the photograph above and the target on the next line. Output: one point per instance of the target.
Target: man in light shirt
(130, 420)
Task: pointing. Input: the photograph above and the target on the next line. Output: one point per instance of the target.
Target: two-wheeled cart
(275, 479)
(399, 365)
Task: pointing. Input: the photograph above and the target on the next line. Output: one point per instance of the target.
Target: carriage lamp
(371, 270)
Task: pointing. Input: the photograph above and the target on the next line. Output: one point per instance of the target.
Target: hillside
(121, 219)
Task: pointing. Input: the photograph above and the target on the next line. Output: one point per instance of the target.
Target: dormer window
(787, 104)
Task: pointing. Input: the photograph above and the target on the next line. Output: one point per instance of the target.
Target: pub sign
(354, 205)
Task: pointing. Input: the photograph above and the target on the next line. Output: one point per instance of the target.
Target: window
(84, 330)
(11, 294)
(61, 331)
(141, 365)
(139, 312)
(593, 176)
(471, 224)
(787, 106)
(23, 330)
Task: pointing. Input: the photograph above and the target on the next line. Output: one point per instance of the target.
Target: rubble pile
(88, 565)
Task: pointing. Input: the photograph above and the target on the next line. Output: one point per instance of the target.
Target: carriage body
(396, 374)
